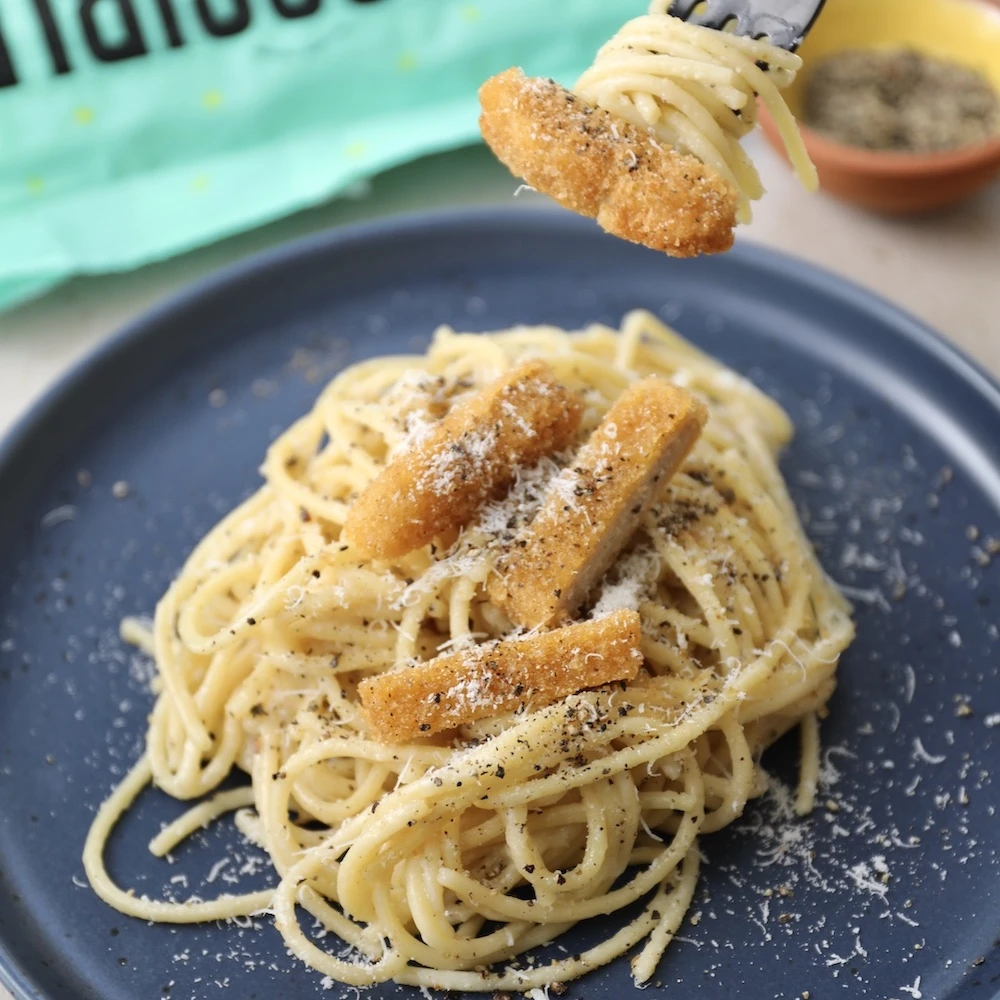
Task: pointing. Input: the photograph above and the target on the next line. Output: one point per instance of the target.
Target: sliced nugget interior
(594, 506)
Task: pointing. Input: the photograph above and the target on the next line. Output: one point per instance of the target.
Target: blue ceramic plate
(889, 890)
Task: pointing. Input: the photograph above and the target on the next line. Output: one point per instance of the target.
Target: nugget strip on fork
(604, 167)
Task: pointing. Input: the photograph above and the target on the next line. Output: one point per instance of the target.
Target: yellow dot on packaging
(83, 116)
(211, 99)
(200, 183)
(406, 62)
(470, 13)
(35, 185)
(356, 150)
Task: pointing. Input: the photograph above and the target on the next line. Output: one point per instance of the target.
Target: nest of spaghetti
(445, 856)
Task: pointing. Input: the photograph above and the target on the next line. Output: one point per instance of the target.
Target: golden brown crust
(605, 167)
(515, 675)
(593, 508)
(470, 456)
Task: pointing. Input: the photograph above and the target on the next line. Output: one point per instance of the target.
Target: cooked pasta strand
(443, 856)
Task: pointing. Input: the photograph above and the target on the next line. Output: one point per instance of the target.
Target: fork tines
(781, 22)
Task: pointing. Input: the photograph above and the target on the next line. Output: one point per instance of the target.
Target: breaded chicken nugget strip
(593, 507)
(515, 675)
(607, 168)
(470, 456)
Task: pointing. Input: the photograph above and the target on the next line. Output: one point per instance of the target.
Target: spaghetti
(696, 89)
(441, 859)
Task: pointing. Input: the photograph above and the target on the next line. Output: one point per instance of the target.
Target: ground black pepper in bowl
(900, 100)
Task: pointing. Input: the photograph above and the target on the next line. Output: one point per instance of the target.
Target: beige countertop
(945, 269)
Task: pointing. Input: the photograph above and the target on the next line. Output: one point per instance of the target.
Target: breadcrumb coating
(470, 456)
(604, 167)
(523, 674)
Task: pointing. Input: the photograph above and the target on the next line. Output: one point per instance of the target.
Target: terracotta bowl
(966, 31)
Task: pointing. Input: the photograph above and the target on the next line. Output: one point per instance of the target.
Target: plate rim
(757, 255)
(764, 259)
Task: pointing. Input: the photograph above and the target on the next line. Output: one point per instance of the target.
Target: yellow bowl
(963, 31)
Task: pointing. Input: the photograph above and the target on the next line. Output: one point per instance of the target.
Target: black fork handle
(783, 22)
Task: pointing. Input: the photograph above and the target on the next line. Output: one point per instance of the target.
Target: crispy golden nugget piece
(593, 507)
(469, 457)
(602, 166)
(607, 168)
(518, 674)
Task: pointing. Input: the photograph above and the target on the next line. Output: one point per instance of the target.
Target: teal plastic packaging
(132, 130)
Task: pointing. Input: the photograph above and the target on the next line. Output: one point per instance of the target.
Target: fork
(783, 22)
